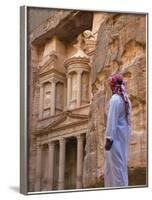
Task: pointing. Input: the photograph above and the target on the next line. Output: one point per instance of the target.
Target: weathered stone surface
(121, 47)
(65, 24)
(36, 16)
(118, 35)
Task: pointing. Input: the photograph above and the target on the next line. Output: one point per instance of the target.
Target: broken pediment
(48, 63)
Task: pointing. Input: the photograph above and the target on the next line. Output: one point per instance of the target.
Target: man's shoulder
(116, 98)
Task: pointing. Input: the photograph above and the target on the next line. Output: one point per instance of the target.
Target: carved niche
(59, 106)
(46, 99)
(73, 88)
(85, 87)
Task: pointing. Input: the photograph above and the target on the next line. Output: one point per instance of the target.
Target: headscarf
(118, 86)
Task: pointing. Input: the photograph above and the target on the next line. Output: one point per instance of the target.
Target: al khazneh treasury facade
(71, 55)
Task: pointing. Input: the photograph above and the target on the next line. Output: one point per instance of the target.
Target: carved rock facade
(70, 60)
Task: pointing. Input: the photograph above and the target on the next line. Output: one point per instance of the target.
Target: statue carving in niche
(47, 100)
(89, 41)
(85, 87)
(59, 97)
(86, 41)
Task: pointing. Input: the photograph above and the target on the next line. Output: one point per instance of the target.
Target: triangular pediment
(69, 119)
(46, 68)
(48, 63)
(50, 66)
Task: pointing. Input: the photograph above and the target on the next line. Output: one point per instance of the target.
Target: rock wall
(121, 47)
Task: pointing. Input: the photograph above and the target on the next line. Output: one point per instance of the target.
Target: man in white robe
(117, 135)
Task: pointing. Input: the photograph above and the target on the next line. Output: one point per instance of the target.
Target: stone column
(79, 161)
(53, 91)
(79, 87)
(38, 167)
(69, 90)
(50, 165)
(65, 96)
(41, 102)
(61, 163)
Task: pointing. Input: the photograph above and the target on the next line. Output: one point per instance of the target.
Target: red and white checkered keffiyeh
(118, 86)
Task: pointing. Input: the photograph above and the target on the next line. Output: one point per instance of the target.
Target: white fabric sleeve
(112, 119)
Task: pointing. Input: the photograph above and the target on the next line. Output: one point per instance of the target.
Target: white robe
(116, 160)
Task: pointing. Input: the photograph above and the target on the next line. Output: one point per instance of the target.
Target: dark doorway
(71, 163)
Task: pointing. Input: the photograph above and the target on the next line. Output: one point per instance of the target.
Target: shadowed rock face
(121, 47)
(64, 24)
(137, 176)
(36, 16)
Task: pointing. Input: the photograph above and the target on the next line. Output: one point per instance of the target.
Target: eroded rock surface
(121, 48)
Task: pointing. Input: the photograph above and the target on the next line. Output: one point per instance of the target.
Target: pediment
(69, 120)
(46, 68)
(48, 63)
(50, 66)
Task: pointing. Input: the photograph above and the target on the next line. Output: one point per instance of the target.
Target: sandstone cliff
(121, 47)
